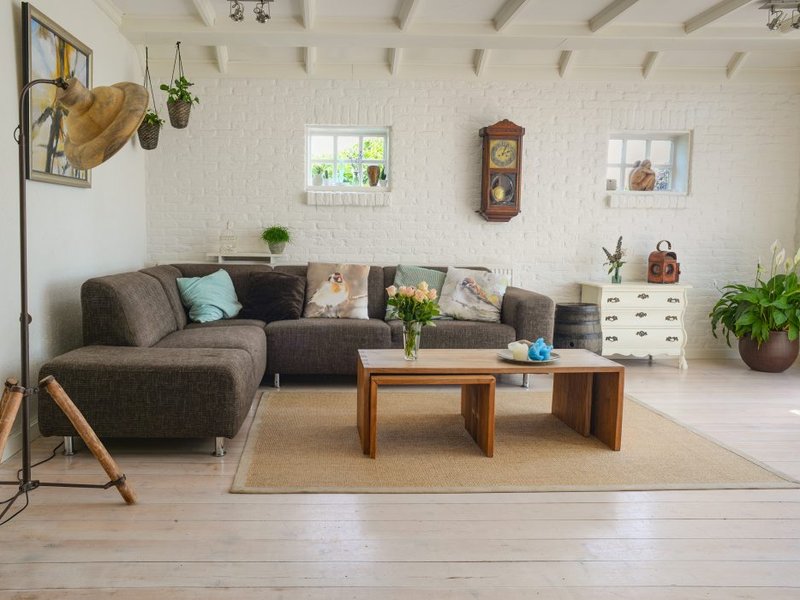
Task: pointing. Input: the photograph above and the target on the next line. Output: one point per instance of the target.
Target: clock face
(502, 154)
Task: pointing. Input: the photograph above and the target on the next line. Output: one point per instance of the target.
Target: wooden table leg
(372, 421)
(362, 407)
(9, 406)
(608, 392)
(572, 400)
(477, 408)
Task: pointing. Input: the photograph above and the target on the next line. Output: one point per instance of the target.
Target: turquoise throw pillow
(209, 298)
(410, 275)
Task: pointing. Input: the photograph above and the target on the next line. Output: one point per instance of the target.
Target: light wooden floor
(188, 538)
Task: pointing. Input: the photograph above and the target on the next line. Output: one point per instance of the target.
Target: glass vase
(412, 331)
(616, 277)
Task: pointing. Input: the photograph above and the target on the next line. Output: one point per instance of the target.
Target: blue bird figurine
(539, 350)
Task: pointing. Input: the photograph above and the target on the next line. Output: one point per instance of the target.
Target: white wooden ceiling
(523, 39)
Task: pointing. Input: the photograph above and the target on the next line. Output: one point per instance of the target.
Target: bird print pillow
(470, 295)
(336, 291)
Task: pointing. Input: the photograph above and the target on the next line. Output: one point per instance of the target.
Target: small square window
(342, 157)
(667, 154)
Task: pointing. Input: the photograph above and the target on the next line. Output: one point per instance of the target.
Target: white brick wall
(242, 159)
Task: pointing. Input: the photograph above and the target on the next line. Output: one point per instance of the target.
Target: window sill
(348, 197)
(671, 200)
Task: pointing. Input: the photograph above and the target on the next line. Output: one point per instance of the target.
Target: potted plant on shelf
(317, 175)
(276, 238)
(383, 182)
(149, 129)
(765, 316)
(179, 102)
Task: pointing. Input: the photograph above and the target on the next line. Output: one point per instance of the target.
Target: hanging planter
(151, 124)
(179, 98)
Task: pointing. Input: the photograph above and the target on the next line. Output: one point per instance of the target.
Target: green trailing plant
(276, 234)
(151, 118)
(772, 303)
(180, 91)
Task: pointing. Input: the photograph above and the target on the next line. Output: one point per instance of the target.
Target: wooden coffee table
(587, 389)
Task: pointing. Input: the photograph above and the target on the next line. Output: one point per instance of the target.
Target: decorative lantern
(663, 267)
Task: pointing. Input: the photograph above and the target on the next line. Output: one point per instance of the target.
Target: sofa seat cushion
(228, 323)
(250, 339)
(322, 346)
(152, 392)
(458, 334)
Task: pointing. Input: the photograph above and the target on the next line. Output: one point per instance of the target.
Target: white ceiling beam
(408, 10)
(395, 57)
(507, 12)
(650, 64)
(310, 59)
(565, 63)
(289, 33)
(309, 10)
(481, 60)
(735, 64)
(609, 13)
(206, 12)
(714, 13)
(111, 10)
(222, 58)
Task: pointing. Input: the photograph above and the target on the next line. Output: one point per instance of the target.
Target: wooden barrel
(577, 325)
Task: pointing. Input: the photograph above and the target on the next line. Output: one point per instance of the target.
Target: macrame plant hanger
(151, 126)
(179, 110)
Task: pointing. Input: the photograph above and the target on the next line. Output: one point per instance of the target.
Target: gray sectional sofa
(146, 371)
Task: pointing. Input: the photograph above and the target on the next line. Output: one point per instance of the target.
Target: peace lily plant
(766, 312)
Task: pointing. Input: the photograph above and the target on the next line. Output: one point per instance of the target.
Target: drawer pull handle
(672, 338)
(674, 300)
(641, 315)
(611, 338)
(613, 300)
(641, 333)
(612, 318)
(671, 318)
(643, 296)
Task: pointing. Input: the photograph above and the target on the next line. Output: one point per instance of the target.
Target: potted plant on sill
(765, 316)
(318, 173)
(179, 102)
(149, 129)
(276, 238)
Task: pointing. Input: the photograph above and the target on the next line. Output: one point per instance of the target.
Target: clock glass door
(503, 189)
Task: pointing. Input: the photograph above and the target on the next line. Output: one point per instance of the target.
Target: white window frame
(678, 165)
(360, 162)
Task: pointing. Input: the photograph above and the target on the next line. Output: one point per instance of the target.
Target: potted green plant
(765, 316)
(149, 129)
(383, 181)
(276, 238)
(179, 101)
(317, 174)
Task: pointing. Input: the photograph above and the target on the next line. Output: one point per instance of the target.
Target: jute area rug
(308, 442)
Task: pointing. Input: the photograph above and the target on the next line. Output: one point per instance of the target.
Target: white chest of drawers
(640, 318)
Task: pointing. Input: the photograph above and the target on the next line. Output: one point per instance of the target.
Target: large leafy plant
(772, 303)
(180, 91)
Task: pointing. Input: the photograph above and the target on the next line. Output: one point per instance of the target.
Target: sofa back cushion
(240, 274)
(167, 276)
(129, 309)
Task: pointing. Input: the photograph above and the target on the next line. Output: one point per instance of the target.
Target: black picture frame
(49, 52)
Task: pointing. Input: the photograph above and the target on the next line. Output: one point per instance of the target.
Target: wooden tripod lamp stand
(99, 123)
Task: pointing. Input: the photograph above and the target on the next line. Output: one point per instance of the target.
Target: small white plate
(508, 356)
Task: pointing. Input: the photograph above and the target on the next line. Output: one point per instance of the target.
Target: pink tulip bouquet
(413, 304)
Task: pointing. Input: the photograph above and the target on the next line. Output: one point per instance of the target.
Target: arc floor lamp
(99, 123)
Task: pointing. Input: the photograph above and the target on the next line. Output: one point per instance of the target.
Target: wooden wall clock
(501, 171)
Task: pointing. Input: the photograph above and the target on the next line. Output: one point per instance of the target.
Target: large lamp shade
(100, 121)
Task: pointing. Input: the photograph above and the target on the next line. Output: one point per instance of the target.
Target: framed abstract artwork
(50, 52)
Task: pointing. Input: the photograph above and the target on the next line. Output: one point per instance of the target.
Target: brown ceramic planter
(775, 355)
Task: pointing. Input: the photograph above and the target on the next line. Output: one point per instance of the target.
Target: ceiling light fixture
(779, 18)
(261, 10)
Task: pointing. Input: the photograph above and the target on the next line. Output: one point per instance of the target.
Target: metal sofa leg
(219, 447)
(69, 446)
(276, 381)
(526, 381)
